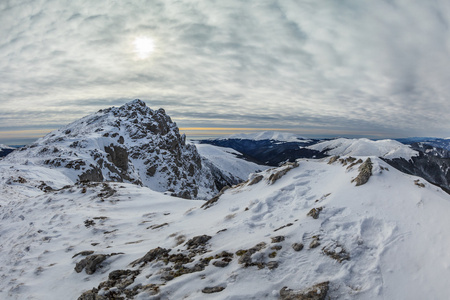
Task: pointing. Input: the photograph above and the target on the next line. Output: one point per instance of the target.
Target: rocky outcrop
(365, 171)
(131, 143)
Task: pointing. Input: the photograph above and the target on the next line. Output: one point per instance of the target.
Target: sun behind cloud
(143, 47)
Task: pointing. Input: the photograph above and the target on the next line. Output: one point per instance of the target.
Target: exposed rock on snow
(297, 246)
(151, 255)
(198, 241)
(211, 290)
(90, 263)
(316, 292)
(314, 212)
(280, 172)
(365, 171)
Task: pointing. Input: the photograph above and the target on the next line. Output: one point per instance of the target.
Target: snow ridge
(388, 149)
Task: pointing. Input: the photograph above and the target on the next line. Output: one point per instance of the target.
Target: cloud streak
(377, 66)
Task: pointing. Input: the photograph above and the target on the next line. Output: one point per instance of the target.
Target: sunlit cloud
(143, 47)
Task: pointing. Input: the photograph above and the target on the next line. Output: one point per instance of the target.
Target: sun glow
(143, 47)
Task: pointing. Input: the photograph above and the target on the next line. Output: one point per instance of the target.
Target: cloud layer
(378, 68)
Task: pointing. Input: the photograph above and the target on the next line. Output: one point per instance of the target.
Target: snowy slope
(268, 135)
(388, 149)
(385, 239)
(226, 160)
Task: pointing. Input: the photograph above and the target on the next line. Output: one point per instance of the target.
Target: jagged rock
(117, 284)
(197, 241)
(245, 258)
(333, 159)
(365, 171)
(91, 295)
(151, 255)
(90, 263)
(280, 172)
(214, 289)
(220, 263)
(92, 174)
(359, 161)
(256, 179)
(277, 239)
(118, 156)
(224, 254)
(316, 292)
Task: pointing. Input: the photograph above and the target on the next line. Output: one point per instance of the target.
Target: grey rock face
(365, 171)
(197, 241)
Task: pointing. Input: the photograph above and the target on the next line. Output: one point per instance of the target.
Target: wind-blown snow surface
(268, 135)
(391, 233)
(388, 149)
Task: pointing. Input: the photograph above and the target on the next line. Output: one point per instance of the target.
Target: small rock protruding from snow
(297, 246)
(316, 292)
(314, 212)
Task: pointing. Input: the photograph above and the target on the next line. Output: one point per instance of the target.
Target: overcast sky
(349, 68)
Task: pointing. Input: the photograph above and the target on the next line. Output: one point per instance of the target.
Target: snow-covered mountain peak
(388, 149)
(130, 143)
(2, 146)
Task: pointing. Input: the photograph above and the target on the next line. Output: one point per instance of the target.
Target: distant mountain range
(425, 157)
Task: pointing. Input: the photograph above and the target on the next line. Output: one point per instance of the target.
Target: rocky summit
(131, 143)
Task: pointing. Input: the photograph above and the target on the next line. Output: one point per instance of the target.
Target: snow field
(393, 231)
